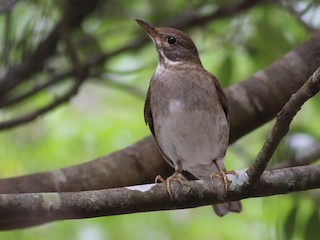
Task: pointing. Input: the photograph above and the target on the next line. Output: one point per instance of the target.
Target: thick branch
(37, 208)
(281, 127)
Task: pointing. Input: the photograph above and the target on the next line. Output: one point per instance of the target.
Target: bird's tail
(203, 172)
(222, 209)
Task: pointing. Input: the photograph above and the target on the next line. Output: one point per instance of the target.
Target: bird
(187, 111)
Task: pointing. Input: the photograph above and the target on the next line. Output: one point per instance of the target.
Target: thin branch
(310, 156)
(81, 74)
(34, 62)
(227, 10)
(186, 21)
(38, 208)
(281, 127)
(128, 88)
(6, 5)
(54, 79)
(298, 15)
(6, 40)
(41, 111)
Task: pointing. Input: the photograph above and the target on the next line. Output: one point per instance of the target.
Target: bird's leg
(222, 175)
(173, 177)
(159, 179)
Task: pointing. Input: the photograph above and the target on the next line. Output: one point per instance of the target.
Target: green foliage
(102, 119)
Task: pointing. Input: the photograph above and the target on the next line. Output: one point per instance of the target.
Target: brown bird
(187, 111)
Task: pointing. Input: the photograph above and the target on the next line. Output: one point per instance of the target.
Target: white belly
(192, 137)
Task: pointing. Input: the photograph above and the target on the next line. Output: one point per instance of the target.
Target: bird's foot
(159, 179)
(224, 179)
(173, 177)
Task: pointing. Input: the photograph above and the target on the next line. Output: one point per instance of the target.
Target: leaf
(290, 222)
(226, 72)
(312, 229)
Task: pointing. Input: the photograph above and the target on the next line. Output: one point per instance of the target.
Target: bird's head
(173, 46)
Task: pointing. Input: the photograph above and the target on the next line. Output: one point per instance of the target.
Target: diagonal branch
(37, 208)
(281, 127)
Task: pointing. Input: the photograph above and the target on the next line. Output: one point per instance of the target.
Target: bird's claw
(160, 179)
(224, 179)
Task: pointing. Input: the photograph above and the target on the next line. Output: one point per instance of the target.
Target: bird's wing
(148, 113)
(149, 121)
(221, 96)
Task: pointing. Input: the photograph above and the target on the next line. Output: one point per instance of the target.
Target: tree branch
(297, 14)
(34, 62)
(37, 208)
(281, 127)
(310, 156)
(39, 112)
(54, 79)
(6, 5)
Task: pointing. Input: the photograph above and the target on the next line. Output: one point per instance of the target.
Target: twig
(80, 76)
(6, 40)
(297, 14)
(186, 21)
(310, 156)
(34, 62)
(54, 79)
(41, 111)
(226, 10)
(128, 88)
(24, 210)
(281, 127)
(6, 5)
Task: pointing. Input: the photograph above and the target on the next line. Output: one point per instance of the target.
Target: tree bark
(38, 208)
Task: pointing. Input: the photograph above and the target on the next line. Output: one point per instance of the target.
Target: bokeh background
(106, 114)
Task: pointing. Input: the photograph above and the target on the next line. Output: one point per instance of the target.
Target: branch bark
(281, 127)
(37, 208)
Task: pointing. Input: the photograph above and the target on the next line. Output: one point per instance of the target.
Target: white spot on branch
(51, 201)
(238, 179)
(141, 188)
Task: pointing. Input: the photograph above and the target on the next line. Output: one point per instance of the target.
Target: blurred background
(104, 112)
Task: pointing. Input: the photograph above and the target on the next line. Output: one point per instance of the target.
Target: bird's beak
(151, 30)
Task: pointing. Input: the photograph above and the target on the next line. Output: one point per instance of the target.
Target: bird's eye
(171, 40)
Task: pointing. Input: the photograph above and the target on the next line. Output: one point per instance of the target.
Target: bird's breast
(190, 124)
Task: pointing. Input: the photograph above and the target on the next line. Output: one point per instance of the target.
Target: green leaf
(313, 226)
(225, 75)
(290, 222)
